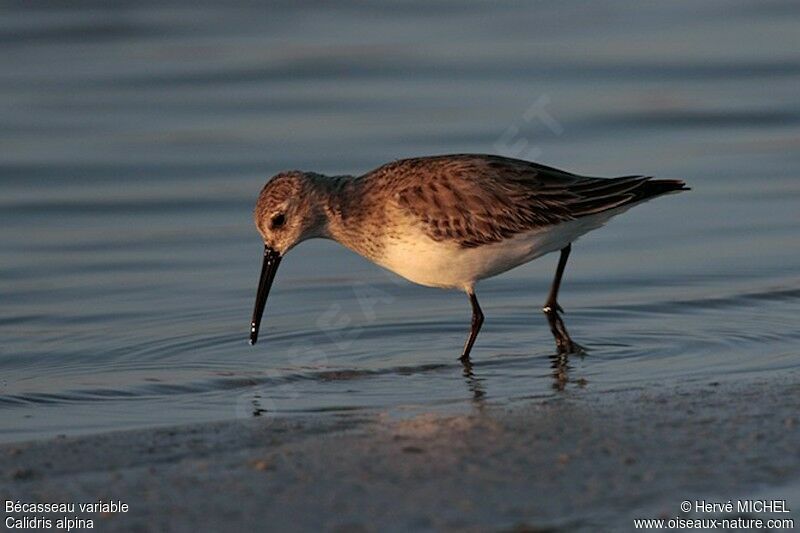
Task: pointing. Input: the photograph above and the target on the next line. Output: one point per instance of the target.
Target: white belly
(445, 264)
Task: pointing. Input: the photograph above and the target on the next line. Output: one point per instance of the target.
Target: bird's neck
(341, 199)
(336, 198)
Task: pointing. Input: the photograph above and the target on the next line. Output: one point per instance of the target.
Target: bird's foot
(564, 343)
(567, 346)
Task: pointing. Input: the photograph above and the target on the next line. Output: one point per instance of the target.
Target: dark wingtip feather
(602, 194)
(653, 187)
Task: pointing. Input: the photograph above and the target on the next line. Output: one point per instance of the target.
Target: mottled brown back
(482, 199)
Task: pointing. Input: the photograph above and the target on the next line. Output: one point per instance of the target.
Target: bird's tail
(652, 188)
(597, 195)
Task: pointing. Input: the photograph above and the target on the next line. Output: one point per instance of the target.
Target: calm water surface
(133, 142)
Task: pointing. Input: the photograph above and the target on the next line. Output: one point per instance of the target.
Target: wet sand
(581, 461)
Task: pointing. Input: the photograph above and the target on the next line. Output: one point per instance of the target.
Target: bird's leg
(552, 299)
(551, 309)
(477, 322)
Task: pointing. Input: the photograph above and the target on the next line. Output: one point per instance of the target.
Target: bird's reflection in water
(560, 366)
(559, 363)
(475, 385)
(561, 370)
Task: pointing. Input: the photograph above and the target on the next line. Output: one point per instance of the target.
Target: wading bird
(446, 221)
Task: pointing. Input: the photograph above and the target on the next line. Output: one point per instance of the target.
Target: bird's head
(287, 213)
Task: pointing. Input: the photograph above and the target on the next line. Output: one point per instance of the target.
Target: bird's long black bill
(270, 266)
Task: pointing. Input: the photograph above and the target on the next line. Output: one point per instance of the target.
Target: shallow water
(133, 142)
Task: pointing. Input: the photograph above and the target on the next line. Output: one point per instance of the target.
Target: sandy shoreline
(579, 462)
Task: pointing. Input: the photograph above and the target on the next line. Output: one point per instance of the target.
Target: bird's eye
(277, 221)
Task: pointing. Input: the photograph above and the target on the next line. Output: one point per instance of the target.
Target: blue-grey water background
(135, 138)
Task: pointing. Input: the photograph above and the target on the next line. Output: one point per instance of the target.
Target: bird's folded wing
(479, 200)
